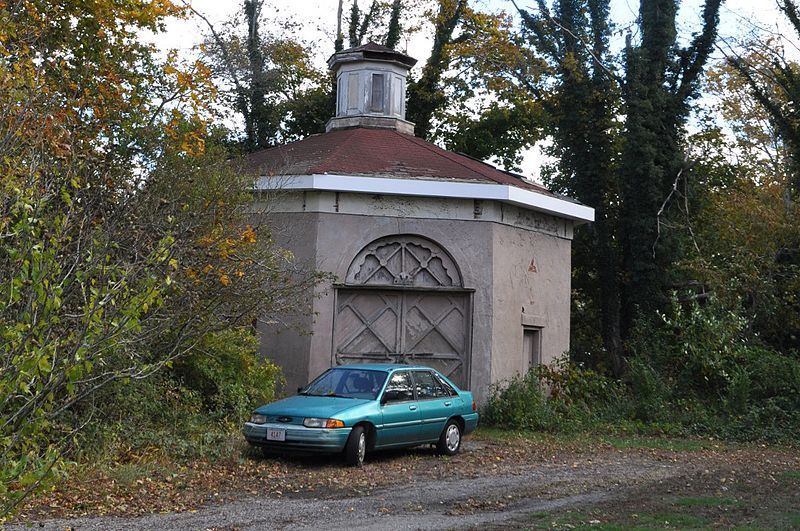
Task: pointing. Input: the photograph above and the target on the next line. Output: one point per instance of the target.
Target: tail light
(474, 406)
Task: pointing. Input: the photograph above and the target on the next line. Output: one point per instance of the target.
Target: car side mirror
(299, 390)
(390, 396)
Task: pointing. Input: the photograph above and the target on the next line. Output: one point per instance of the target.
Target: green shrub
(701, 370)
(772, 375)
(562, 397)
(650, 392)
(190, 411)
(136, 417)
(694, 372)
(692, 348)
(227, 373)
(739, 392)
(520, 404)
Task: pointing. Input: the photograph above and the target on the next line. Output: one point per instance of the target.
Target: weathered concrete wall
(532, 289)
(281, 338)
(492, 243)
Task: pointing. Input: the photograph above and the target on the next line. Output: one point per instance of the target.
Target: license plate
(276, 434)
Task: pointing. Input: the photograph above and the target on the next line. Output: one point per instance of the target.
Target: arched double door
(403, 301)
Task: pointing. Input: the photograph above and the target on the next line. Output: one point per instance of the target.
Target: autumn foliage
(124, 246)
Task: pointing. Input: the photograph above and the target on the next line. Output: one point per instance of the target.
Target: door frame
(470, 297)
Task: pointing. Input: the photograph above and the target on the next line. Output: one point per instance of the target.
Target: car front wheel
(356, 447)
(450, 439)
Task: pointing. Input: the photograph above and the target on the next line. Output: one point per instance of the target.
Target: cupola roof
(371, 51)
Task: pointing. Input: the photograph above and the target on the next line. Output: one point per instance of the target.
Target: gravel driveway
(425, 502)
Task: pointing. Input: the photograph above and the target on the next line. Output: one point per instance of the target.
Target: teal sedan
(353, 409)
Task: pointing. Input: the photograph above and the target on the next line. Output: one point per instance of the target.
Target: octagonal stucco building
(438, 258)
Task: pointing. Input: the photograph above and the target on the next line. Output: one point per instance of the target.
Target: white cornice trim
(430, 188)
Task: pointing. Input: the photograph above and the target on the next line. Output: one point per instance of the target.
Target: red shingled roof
(377, 153)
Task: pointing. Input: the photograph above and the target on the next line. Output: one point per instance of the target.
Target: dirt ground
(499, 481)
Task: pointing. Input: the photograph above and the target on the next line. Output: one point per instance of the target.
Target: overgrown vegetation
(187, 411)
(696, 375)
(712, 215)
(131, 263)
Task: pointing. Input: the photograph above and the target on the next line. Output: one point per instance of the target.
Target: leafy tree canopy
(123, 241)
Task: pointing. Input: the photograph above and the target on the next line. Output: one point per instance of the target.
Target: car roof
(386, 367)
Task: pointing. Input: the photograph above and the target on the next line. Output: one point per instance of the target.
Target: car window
(428, 386)
(399, 388)
(348, 383)
(449, 391)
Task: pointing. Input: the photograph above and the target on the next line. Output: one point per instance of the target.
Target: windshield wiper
(331, 395)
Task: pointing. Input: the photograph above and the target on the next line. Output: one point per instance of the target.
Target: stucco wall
(532, 288)
(281, 339)
(492, 243)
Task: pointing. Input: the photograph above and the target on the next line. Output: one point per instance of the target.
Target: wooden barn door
(410, 309)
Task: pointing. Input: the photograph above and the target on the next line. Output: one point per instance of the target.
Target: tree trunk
(257, 135)
(338, 45)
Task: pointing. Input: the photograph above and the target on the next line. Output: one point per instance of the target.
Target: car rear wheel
(356, 447)
(450, 439)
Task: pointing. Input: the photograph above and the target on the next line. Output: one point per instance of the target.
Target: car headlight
(258, 418)
(322, 423)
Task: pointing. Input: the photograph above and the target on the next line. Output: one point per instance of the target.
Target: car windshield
(347, 383)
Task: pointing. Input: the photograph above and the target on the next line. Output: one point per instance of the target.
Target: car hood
(310, 406)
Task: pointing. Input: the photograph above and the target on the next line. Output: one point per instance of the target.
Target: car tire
(450, 439)
(356, 447)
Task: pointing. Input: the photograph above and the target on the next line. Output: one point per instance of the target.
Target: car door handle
(412, 408)
(447, 403)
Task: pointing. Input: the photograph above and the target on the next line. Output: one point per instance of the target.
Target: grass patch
(569, 520)
(678, 445)
(503, 434)
(790, 475)
(793, 519)
(707, 501)
(602, 527)
(671, 519)
(593, 439)
(499, 434)
(581, 521)
(129, 473)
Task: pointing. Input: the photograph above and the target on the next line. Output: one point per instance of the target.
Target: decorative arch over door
(409, 261)
(403, 301)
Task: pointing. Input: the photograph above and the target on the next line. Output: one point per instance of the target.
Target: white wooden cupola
(371, 88)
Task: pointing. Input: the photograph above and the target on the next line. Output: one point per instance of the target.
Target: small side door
(436, 403)
(400, 411)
